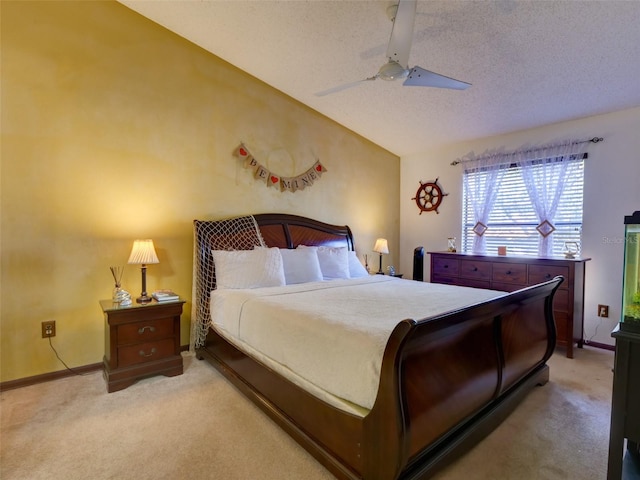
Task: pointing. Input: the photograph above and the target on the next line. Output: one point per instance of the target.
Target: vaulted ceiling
(530, 62)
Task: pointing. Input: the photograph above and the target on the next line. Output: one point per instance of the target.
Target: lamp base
(144, 299)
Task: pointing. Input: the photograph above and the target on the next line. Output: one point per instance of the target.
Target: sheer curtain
(546, 175)
(481, 192)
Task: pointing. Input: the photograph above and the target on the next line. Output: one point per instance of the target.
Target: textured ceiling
(530, 63)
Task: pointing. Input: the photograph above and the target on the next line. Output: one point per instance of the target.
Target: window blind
(513, 221)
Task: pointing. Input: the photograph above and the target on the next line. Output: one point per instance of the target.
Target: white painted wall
(612, 190)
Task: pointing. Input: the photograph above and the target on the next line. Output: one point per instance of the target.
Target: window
(512, 220)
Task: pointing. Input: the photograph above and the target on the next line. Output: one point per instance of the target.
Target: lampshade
(143, 253)
(381, 246)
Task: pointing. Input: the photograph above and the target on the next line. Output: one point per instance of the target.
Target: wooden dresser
(509, 273)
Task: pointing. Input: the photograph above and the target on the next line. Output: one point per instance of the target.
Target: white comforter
(334, 333)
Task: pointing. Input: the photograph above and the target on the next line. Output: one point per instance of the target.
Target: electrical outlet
(49, 329)
(603, 311)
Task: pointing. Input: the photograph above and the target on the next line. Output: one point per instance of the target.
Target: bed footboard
(447, 381)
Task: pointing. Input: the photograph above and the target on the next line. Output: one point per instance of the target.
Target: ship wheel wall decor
(429, 196)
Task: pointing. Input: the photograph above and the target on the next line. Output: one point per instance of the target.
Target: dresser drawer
(515, 273)
(445, 279)
(145, 352)
(506, 287)
(544, 273)
(472, 282)
(446, 266)
(145, 331)
(475, 270)
(561, 301)
(563, 332)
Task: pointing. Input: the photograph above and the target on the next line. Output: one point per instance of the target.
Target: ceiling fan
(402, 15)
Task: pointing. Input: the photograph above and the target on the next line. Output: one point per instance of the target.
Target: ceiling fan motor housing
(392, 71)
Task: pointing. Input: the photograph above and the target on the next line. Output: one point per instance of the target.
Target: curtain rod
(532, 150)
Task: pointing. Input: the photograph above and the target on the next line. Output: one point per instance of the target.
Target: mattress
(329, 337)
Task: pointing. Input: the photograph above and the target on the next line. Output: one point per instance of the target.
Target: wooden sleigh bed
(445, 381)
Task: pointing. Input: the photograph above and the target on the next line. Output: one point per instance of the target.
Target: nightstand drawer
(544, 273)
(475, 270)
(510, 273)
(446, 266)
(145, 331)
(145, 352)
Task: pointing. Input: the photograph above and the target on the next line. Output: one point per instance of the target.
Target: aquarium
(630, 320)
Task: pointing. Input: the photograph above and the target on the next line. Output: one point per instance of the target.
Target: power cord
(66, 366)
(594, 333)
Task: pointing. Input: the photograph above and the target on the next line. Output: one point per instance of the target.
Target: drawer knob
(548, 275)
(475, 269)
(142, 354)
(508, 272)
(151, 329)
(446, 266)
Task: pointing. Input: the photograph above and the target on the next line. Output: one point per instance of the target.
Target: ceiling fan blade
(344, 86)
(419, 77)
(402, 32)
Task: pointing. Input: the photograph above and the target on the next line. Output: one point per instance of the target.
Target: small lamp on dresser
(143, 253)
(381, 247)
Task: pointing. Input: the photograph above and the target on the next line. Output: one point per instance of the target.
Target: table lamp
(381, 247)
(143, 254)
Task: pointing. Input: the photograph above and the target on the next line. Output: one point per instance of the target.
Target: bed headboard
(289, 231)
(244, 233)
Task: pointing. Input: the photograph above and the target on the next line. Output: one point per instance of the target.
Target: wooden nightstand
(141, 340)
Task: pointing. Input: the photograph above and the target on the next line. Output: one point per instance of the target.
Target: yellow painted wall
(113, 129)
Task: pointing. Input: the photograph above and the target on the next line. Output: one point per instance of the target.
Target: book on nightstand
(165, 296)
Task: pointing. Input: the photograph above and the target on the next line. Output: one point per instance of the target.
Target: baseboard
(603, 346)
(47, 377)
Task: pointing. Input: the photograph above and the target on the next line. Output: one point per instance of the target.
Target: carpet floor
(198, 426)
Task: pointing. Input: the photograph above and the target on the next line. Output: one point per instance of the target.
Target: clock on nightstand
(141, 340)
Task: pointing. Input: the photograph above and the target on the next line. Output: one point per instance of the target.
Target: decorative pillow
(261, 267)
(301, 265)
(356, 269)
(334, 261)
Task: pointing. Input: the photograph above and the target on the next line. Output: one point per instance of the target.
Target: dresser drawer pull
(547, 276)
(508, 272)
(142, 354)
(446, 266)
(475, 269)
(151, 329)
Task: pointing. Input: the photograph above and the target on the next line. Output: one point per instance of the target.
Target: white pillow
(356, 269)
(334, 261)
(261, 267)
(301, 265)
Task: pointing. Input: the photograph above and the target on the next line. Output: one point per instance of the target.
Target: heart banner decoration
(272, 179)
